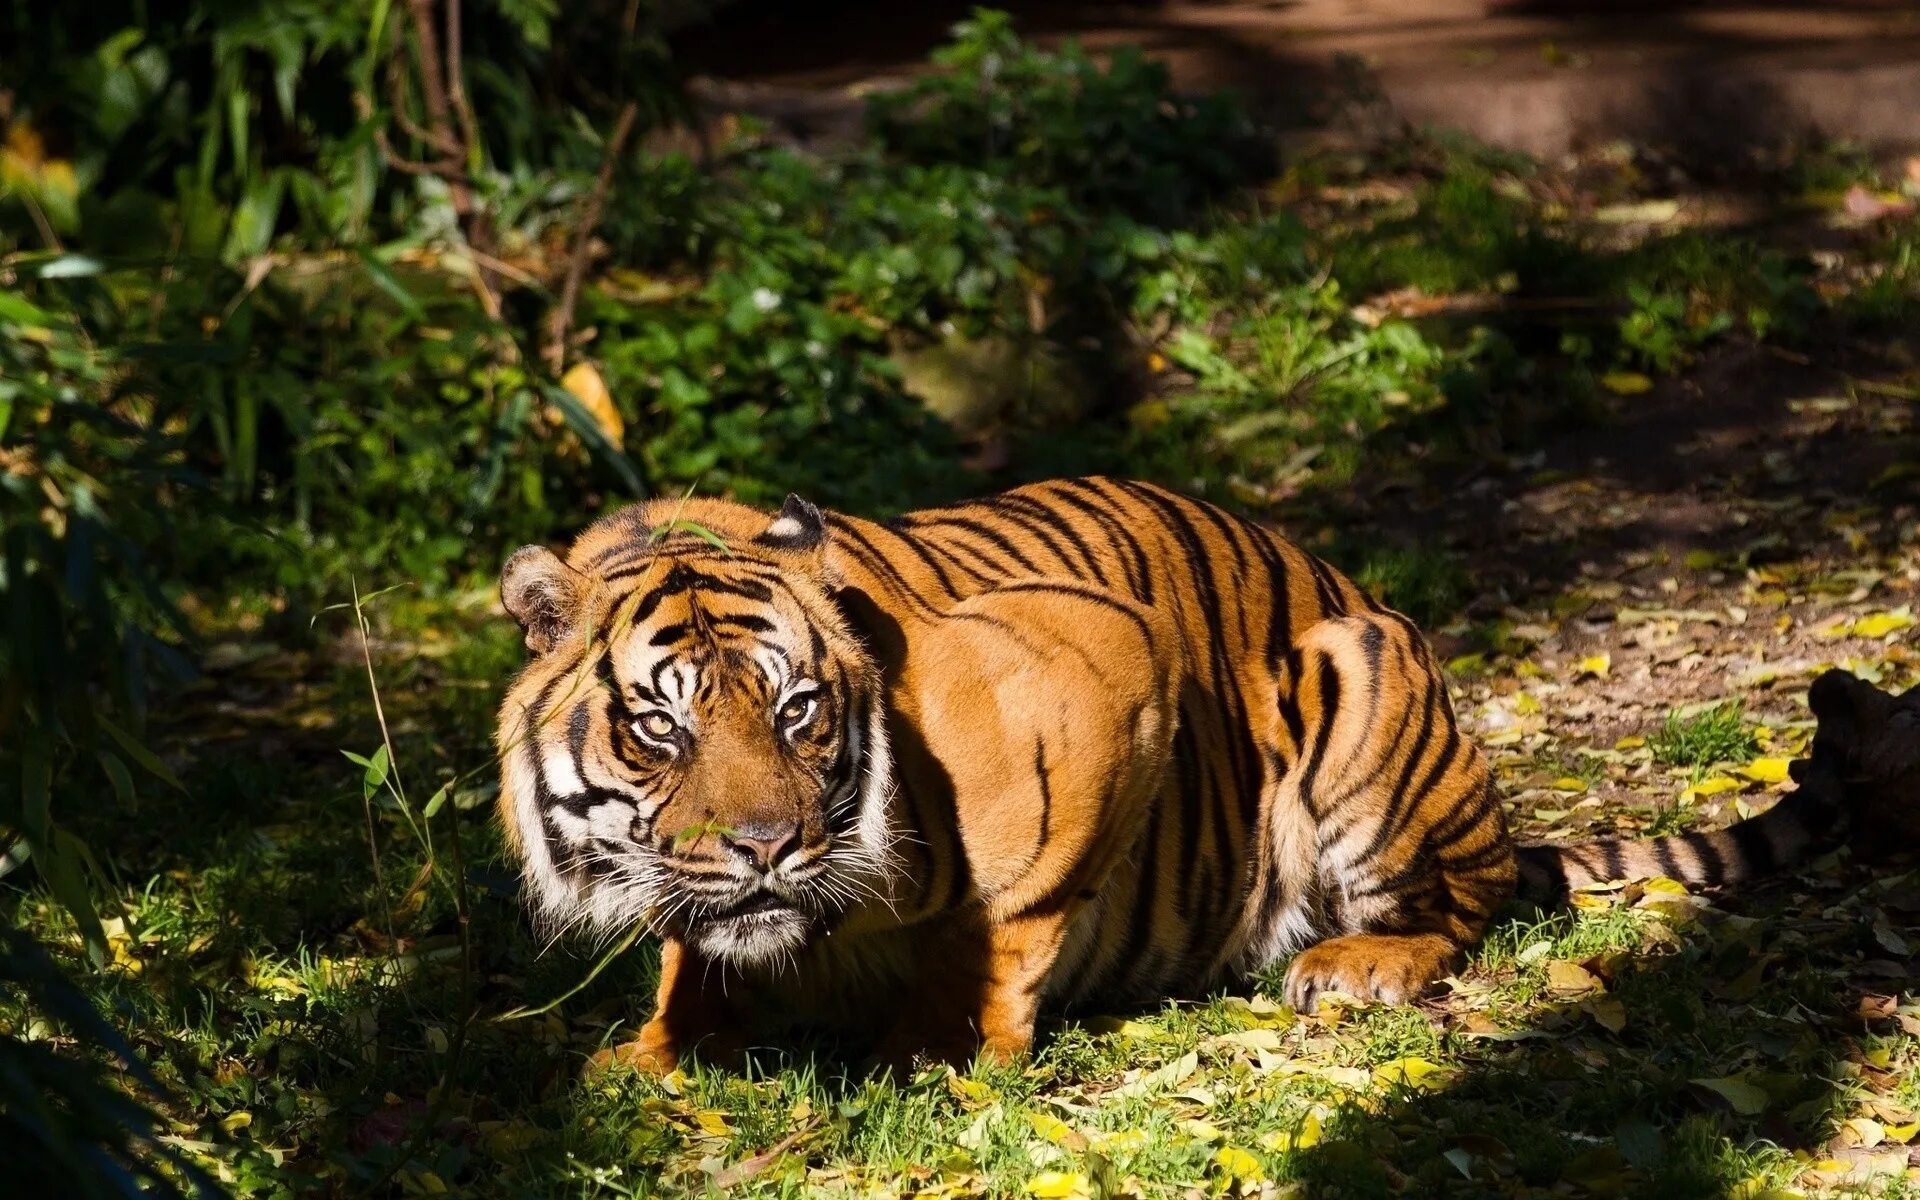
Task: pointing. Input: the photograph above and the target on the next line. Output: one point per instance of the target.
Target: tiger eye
(656, 725)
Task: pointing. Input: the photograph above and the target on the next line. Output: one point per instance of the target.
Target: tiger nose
(765, 843)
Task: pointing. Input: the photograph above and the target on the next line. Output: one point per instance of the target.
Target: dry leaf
(591, 391)
(1570, 977)
(1306, 1135)
(1741, 1094)
(1416, 1073)
(1607, 1012)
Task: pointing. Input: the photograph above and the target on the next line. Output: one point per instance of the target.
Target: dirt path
(1687, 552)
(1544, 76)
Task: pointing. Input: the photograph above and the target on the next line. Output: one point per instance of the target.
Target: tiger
(1084, 742)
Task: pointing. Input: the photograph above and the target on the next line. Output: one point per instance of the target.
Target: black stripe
(1133, 563)
(1329, 707)
(987, 533)
(1046, 789)
(1051, 518)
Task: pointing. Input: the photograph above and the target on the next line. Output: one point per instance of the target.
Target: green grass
(321, 1031)
(1711, 735)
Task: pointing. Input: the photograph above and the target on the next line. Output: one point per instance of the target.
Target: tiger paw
(904, 1051)
(1389, 968)
(634, 1055)
(657, 1052)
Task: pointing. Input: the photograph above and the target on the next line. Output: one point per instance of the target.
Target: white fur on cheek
(872, 829)
(550, 895)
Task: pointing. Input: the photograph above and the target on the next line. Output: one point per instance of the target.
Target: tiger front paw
(656, 1051)
(1392, 969)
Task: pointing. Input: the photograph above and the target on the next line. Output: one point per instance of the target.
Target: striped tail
(1804, 822)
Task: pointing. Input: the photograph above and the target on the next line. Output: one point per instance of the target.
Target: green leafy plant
(1113, 137)
(1712, 735)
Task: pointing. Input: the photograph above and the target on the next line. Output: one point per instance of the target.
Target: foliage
(84, 611)
(65, 1130)
(1109, 137)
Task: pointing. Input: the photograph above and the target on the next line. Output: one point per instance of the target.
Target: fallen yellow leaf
(1305, 1135)
(1238, 1165)
(1059, 1185)
(1597, 665)
(1882, 624)
(1564, 976)
(1711, 787)
(1626, 383)
(1865, 1131)
(1766, 770)
(970, 1092)
(1052, 1128)
(1123, 1139)
(1607, 1012)
(1415, 1073)
(504, 1139)
(1204, 1132)
(1137, 1030)
(1740, 1093)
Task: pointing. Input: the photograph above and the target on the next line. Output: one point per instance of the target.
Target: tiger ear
(543, 594)
(800, 526)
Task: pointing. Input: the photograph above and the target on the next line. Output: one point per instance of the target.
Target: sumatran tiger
(1083, 741)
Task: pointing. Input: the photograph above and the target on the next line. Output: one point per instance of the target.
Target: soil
(1711, 80)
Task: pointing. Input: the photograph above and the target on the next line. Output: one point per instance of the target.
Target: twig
(747, 1168)
(457, 80)
(435, 66)
(561, 322)
(439, 170)
(397, 99)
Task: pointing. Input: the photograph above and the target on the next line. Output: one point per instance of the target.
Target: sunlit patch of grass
(1701, 739)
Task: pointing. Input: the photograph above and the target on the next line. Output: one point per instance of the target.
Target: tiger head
(698, 741)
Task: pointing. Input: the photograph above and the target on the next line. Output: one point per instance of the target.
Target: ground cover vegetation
(310, 312)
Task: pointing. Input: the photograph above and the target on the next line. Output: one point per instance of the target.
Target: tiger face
(698, 743)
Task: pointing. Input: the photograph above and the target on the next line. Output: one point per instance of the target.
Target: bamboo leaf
(140, 754)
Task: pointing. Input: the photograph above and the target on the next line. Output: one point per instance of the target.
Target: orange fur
(1087, 740)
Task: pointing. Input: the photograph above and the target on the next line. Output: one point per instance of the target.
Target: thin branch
(434, 66)
(561, 323)
(444, 169)
(397, 101)
(457, 80)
